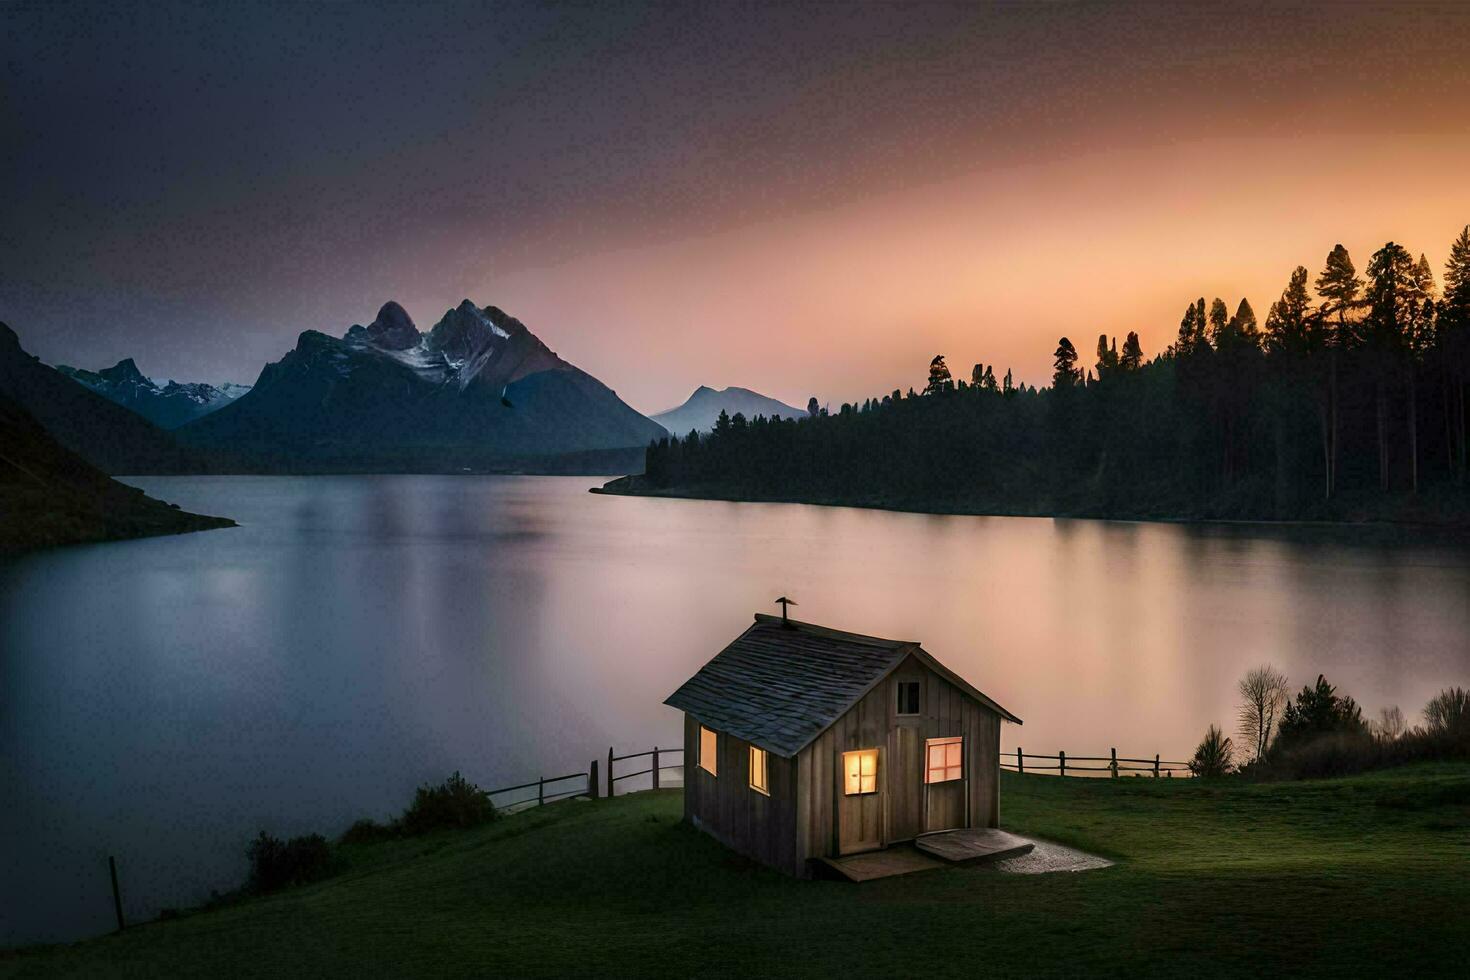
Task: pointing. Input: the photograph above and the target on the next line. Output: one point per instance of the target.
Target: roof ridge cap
(832, 633)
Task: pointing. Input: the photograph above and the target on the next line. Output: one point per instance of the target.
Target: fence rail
(588, 783)
(1115, 765)
(593, 784)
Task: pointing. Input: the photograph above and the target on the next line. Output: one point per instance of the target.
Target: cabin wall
(874, 722)
(724, 805)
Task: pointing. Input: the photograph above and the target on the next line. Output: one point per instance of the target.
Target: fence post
(592, 780)
(1114, 764)
(1062, 758)
(1020, 765)
(116, 895)
(609, 772)
(540, 790)
(1156, 765)
(655, 767)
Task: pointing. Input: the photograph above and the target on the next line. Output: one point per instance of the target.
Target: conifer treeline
(1348, 400)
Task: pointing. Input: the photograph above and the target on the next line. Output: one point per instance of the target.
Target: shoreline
(625, 486)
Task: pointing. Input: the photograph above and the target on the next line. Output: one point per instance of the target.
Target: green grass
(1323, 878)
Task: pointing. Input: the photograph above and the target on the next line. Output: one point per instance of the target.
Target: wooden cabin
(802, 743)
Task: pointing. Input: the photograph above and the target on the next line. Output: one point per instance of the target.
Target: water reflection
(164, 699)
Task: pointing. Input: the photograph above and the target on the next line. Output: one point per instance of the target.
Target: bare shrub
(1263, 695)
(1448, 712)
(1390, 725)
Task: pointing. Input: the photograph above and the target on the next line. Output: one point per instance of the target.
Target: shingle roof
(780, 685)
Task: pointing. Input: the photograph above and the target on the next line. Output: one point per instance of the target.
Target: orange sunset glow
(814, 205)
(852, 301)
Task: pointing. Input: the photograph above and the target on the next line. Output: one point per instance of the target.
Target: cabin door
(859, 801)
(905, 784)
(946, 790)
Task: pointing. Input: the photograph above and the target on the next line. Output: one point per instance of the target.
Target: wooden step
(973, 845)
(900, 859)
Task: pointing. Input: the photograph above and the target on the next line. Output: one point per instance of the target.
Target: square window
(944, 759)
(860, 770)
(708, 747)
(758, 771)
(908, 697)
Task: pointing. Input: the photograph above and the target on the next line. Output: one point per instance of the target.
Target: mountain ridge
(478, 391)
(168, 406)
(701, 409)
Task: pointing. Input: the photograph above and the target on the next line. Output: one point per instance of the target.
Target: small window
(861, 769)
(758, 771)
(946, 760)
(908, 697)
(708, 745)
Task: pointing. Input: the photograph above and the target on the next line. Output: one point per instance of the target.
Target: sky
(800, 199)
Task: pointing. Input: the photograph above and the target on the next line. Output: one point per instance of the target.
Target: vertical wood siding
(806, 809)
(723, 805)
(907, 807)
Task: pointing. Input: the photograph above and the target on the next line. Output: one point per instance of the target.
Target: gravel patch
(1047, 857)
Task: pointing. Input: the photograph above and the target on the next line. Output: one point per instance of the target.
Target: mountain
(478, 391)
(167, 407)
(110, 437)
(50, 495)
(705, 405)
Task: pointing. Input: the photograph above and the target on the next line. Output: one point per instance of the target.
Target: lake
(163, 700)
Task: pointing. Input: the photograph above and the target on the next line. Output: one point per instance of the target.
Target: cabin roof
(780, 685)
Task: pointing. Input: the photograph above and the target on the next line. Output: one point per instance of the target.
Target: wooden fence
(589, 783)
(1113, 764)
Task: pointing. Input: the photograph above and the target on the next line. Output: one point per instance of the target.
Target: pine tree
(1008, 386)
(1243, 328)
(1453, 329)
(988, 381)
(813, 407)
(1107, 358)
(1132, 356)
(939, 377)
(977, 374)
(1065, 373)
(1184, 346)
(1391, 294)
(1338, 286)
(1288, 329)
(1219, 320)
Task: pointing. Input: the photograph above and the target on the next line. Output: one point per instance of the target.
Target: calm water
(163, 700)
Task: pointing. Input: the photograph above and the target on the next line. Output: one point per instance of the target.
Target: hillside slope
(50, 496)
(1320, 879)
(105, 434)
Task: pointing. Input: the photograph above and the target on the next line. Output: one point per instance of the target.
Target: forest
(1346, 403)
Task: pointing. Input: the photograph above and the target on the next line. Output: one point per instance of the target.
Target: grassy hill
(1326, 878)
(51, 496)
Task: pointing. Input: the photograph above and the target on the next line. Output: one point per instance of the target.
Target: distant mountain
(167, 407)
(705, 405)
(50, 495)
(478, 391)
(110, 437)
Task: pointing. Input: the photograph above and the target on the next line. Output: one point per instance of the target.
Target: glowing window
(707, 748)
(908, 697)
(946, 759)
(861, 769)
(758, 770)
